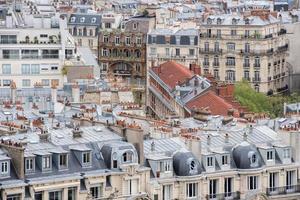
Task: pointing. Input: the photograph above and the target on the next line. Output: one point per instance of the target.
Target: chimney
(76, 132)
(135, 136)
(250, 129)
(44, 135)
(13, 90)
(208, 140)
(16, 153)
(53, 93)
(152, 146)
(245, 136)
(226, 138)
(194, 145)
(76, 93)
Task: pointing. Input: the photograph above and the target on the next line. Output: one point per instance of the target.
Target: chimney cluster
(195, 68)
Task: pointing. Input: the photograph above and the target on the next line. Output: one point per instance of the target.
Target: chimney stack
(76, 132)
(53, 93)
(135, 136)
(76, 93)
(13, 90)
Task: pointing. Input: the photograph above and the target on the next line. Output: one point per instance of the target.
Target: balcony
(216, 64)
(246, 65)
(224, 196)
(256, 65)
(230, 64)
(210, 51)
(283, 48)
(282, 31)
(268, 36)
(292, 189)
(205, 64)
(256, 79)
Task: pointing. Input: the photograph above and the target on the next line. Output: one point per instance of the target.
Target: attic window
(73, 19)
(270, 155)
(219, 21)
(287, 153)
(209, 161)
(247, 21)
(209, 21)
(234, 21)
(127, 157)
(82, 19)
(94, 20)
(193, 165)
(225, 160)
(253, 158)
(135, 25)
(86, 157)
(4, 168)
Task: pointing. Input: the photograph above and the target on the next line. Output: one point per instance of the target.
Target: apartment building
(180, 46)
(223, 163)
(85, 29)
(122, 51)
(252, 47)
(34, 49)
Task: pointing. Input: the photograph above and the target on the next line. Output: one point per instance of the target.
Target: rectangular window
(8, 39)
(287, 153)
(13, 197)
(138, 40)
(50, 53)
(177, 52)
(10, 54)
(209, 161)
(191, 190)
(86, 157)
(29, 54)
(46, 162)
(38, 196)
(290, 179)
(4, 168)
(167, 192)
(191, 52)
(230, 46)
(213, 188)
(273, 181)
(105, 39)
(45, 82)
(6, 69)
(25, 69)
(153, 51)
(63, 160)
(96, 191)
(29, 164)
(117, 40)
(206, 46)
(35, 69)
(6, 82)
(107, 25)
(228, 187)
(26, 82)
(233, 32)
(252, 182)
(72, 193)
(167, 52)
(55, 195)
(225, 160)
(230, 61)
(270, 155)
(127, 40)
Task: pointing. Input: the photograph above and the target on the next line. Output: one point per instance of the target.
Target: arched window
(127, 157)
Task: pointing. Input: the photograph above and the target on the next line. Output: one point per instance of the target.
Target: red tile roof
(216, 104)
(171, 73)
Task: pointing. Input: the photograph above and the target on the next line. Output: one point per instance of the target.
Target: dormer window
(82, 19)
(46, 162)
(270, 155)
(29, 164)
(73, 19)
(63, 160)
(209, 21)
(209, 161)
(247, 21)
(287, 153)
(4, 168)
(225, 160)
(253, 158)
(193, 165)
(94, 20)
(135, 25)
(86, 158)
(127, 157)
(234, 21)
(219, 21)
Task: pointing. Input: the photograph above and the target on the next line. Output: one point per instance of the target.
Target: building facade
(122, 51)
(253, 47)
